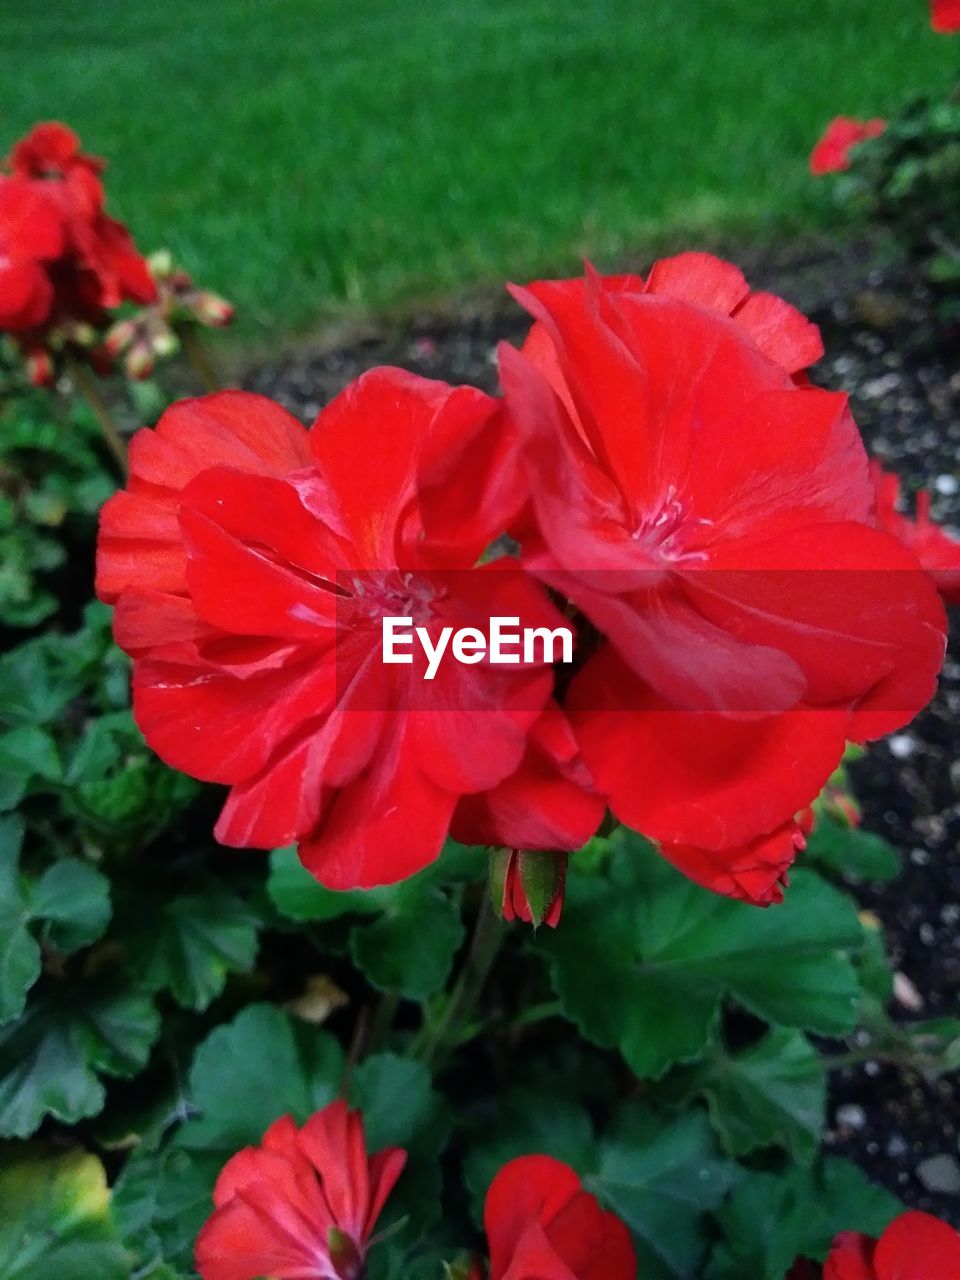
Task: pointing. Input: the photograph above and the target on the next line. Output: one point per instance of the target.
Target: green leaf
(192, 943)
(772, 1094)
(71, 899)
(30, 752)
(410, 947)
(772, 1219)
(851, 851)
(661, 1176)
(51, 1057)
(275, 1065)
(645, 958)
(527, 1122)
(401, 1109)
(56, 1219)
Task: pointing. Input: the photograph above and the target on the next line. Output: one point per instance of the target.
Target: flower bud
(212, 310)
(39, 367)
(140, 361)
(527, 884)
(120, 336)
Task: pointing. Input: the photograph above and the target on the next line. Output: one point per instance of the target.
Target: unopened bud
(528, 884)
(139, 363)
(212, 310)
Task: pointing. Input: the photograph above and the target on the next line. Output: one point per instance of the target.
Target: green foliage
(56, 1219)
(646, 959)
(851, 851)
(906, 182)
(771, 1219)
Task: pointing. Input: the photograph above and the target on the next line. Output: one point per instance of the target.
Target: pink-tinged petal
(333, 1142)
(385, 1169)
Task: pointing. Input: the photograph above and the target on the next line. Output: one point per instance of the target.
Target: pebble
(902, 745)
(947, 485)
(850, 1116)
(940, 1174)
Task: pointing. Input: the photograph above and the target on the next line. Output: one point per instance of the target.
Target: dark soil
(903, 376)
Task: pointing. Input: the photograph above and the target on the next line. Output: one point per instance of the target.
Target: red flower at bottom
(915, 1246)
(832, 153)
(542, 1225)
(302, 1205)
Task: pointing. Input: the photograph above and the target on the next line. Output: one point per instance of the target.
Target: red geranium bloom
(51, 150)
(31, 236)
(832, 154)
(542, 1225)
(945, 16)
(302, 1205)
(936, 550)
(915, 1246)
(252, 562)
(714, 521)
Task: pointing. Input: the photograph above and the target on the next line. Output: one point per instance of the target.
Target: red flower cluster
(945, 16)
(63, 261)
(661, 464)
(832, 154)
(915, 1246)
(302, 1206)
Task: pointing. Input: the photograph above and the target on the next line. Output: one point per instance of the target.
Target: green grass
(301, 155)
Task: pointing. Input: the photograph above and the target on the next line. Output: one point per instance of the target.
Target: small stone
(902, 745)
(897, 1147)
(850, 1116)
(950, 914)
(940, 1174)
(947, 485)
(928, 934)
(905, 993)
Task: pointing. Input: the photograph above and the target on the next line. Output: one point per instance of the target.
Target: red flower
(252, 563)
(779, 330)
(31, 236)
(832, 154)
(542, 1225)
(52, 150)
(915, 1246)
(528, 885)
(714, 521)
(302, 1205)
(945, 16)
(937, 551)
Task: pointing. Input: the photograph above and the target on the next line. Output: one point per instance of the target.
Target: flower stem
(199, 360)
(86, 384)
(487, 937)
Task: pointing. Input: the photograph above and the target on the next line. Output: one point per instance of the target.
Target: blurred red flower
(945, 16)
(832, 154)
(936, 550)
(31, 236)
(915, 1246)
(542, 1225)
(302, 1205)
(251, 563)
(713, 520)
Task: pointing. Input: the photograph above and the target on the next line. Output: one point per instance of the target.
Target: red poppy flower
(713, 520)
(542, 1225)
(915, 1246)
(252, 563)
(936, 550)
(302, 1205)
(833, 153)
(31, 236)
(945, 16)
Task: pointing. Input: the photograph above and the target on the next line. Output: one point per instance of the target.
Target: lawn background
(304, 156)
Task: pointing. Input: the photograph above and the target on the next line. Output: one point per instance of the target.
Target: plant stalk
(199, 360)
(86, 384)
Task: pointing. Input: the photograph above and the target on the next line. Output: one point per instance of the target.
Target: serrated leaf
(30, 751)
(410, 947)
(661, 1176)
(527, 1122)
(772, 1219)
(851, 851)
(51, 1057)
(645, 957)
(71, 900)
(192, 944)
(56, 1219)
(771, 1094)
(299, 896)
